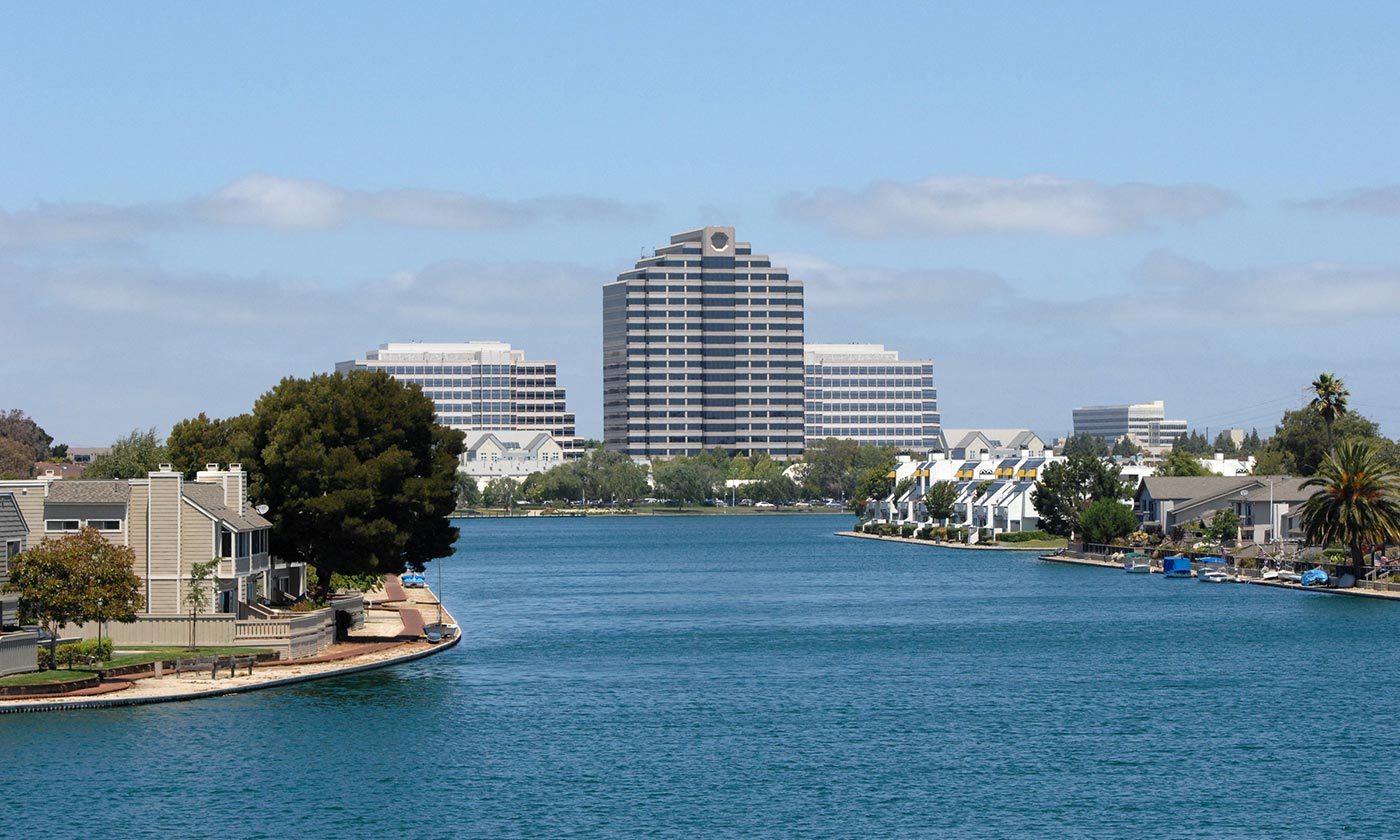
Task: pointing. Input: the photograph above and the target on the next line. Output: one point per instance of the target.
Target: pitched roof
(1181, 488)
(90, 492)
(210, 498)
(12, 522)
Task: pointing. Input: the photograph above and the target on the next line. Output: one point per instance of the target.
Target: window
(225, 543)
(105, 524)
(58, 526)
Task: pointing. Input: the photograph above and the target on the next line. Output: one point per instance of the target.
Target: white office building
(863, 392)
(480, 386)
(1146, 422)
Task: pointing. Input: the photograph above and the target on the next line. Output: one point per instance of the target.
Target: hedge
(1023, 536)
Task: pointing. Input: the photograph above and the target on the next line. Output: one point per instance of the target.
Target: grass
(1059, 542)
(119, 660)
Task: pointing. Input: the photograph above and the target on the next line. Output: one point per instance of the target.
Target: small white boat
(1269, 574)
(1212, 576)
(1137, 564)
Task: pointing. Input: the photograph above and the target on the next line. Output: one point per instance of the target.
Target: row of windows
(634, 301)
(912, 369)
(716, 285)
(841, 408)
(59, 526)
(903, 394)
(466, 370)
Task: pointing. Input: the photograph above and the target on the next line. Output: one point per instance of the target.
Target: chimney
(236, 488)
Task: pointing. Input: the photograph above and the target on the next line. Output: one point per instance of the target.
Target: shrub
(80, 653)
(44, 663)
(1023, 536)
(925, 533)
(906, 530)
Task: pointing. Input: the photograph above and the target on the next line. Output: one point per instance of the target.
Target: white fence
(18, 653)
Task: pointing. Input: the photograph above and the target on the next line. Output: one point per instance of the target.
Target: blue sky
(1076, 205)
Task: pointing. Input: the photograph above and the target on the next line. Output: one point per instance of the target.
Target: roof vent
(166, 468)
(235, 467)
(211, 467)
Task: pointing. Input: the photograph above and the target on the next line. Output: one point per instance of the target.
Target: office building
(480, 386)
(864, 393)
(702, 348)
(1146, 422)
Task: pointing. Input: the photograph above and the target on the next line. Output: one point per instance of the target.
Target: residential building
(480, 386)
(863, 392)
(1262, 502)
(513, 455)
(702, 349)
(993, 492)
(972, 444)
(17, 647)
(1145, 422)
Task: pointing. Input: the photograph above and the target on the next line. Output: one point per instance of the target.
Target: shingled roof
(93, 492)
(210, 498)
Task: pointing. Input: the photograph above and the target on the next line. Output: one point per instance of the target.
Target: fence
(17, 652)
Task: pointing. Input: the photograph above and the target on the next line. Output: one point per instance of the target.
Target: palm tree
(1356, 502)
(1330, 401)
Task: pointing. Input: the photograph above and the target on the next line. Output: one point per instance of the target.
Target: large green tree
(939, 499)
(1067, 488)
(199, 441)
(1329, 401)
(1356, 500)
(1105, 520)
(1193, 443)
(686, 480)
(16, 459)
(1086, 444)
(133, 456)
(75, 579)
(833, 467)
(359, 477)
(1301, 440)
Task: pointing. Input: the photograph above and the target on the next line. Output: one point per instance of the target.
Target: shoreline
(174, 689)
(939, 543)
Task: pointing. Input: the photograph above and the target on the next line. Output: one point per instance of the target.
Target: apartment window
(225, 543)
(105, 524)
(58, 526)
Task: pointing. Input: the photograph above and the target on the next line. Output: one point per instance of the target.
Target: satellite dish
(262, 510)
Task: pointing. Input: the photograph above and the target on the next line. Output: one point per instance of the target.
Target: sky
(1077, 204)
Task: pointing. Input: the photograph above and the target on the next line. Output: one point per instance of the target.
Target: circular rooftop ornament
(719, 241)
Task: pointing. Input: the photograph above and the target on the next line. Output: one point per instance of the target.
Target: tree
(939, 499)
(359, 476)
(199, 441)
(501, 492)
(1105, 520)
(1356, 500)
(1329, 401)
(468, 494)
(197, 593)
(1225, 445)
(17, 426)
(133, 456)
(1225, 526)
(834, 467)
(1251, 444)
(1301, 438)
(75, 579)
(1271, 462)
(1125, 448)
(1193, 443)
(684, 480)
(874, 483)
(1181, 464)
(16, 459)
(613, 475)
(778, 489)
(1086, 444)
(1067, 488)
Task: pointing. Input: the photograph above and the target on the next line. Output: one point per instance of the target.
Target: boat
(1212, 570)
(1137, 564)
(1177, 566)
(413, 580)
(1269, 574)
(1313, 577)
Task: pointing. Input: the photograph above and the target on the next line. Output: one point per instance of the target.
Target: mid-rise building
(863, 392)
(702, 349)
(1146, 422)
(480, 386)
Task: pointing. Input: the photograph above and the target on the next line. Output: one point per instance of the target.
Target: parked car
(764, 505)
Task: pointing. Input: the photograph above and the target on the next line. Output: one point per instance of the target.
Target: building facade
(1146, 422)
(863, 392)
(480, 386)
(702, 348)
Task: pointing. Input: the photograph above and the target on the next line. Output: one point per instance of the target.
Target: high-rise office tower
(863, 392)
(480, 386)
(702, 348)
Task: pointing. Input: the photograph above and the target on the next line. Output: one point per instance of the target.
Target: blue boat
(1176, 567)
(1314, 577)
(413, 580)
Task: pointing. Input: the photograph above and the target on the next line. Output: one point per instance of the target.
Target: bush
(906, 530)
(1023, 536)
(80, 653)
(44, 663)
(925, 533)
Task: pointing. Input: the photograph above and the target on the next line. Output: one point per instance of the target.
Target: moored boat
(1135, 563)
(1177, 566)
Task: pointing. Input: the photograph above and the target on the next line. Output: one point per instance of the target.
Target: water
(755, 677)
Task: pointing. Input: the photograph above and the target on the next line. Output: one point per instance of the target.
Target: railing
(17, 652)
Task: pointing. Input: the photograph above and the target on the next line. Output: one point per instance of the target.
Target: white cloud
(1375, 201)
(962, 205)
(299, 204)
(843, 287)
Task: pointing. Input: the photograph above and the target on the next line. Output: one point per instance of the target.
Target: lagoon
(759, 677)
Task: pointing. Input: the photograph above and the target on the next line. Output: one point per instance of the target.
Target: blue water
(753, 677)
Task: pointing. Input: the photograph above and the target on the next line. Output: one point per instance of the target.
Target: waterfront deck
(393, 634)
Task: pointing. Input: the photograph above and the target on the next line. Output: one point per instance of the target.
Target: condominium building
(863, 392)
(480, 386)
(1146, 422)
(702, 348)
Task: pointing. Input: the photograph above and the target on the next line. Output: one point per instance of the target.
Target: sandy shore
(374, 646)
